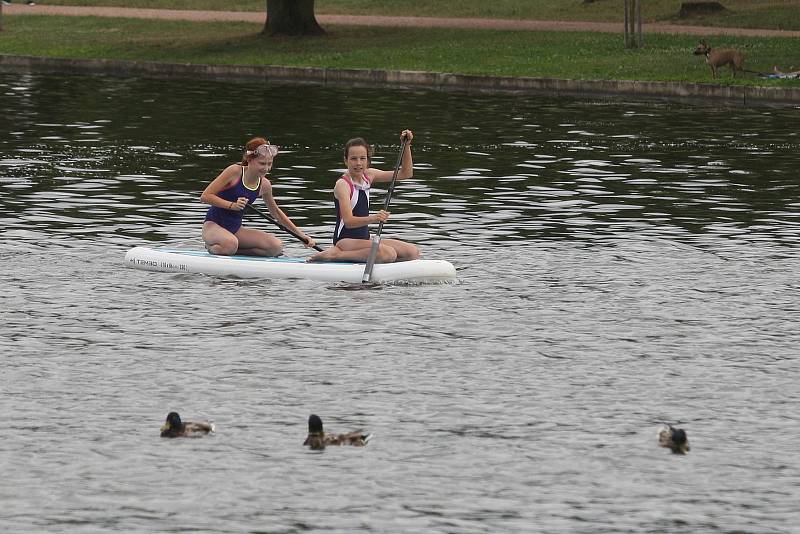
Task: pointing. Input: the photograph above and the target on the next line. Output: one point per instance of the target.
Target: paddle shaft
(279, 225)
(376, 239)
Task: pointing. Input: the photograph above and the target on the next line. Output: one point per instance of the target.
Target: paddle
(279, 225)
(376, 239)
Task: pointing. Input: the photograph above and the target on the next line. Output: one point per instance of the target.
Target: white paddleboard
(195, 261)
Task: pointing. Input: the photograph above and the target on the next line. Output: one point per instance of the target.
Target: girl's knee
(273, 245)
(224, 247)
(386, 254)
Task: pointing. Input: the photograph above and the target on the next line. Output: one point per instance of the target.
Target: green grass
(489, 52)
(774, 14)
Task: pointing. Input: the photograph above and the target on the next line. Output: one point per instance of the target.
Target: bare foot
(329, 254)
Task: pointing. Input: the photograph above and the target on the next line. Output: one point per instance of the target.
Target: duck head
(675, 439)
(316, 434)
(680, 442)
(172, 424)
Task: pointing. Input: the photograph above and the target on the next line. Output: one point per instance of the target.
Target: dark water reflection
(522, 168)
(621, 264)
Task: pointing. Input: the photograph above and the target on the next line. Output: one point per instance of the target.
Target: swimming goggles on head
(269, 151)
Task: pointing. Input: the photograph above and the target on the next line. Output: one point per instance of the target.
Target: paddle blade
(373, 254)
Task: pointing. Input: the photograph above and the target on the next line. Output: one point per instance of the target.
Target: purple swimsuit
(231, 220)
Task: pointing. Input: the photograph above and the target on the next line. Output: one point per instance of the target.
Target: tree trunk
(633, 23)
(627, 9)
(639, 43)
(291, 17)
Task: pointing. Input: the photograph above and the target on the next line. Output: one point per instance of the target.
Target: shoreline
(440, 81)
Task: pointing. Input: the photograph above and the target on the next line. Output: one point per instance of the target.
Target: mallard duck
(674, 439)
(173, 427)
(317, 438)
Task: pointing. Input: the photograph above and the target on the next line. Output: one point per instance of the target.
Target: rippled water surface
(620, 265)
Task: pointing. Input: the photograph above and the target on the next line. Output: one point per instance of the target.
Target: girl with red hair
(229, 194)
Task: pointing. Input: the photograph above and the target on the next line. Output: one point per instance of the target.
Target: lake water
(620, 265)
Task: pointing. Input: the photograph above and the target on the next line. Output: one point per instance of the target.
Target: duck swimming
(674, 439)
(317, 438)
(173, 427)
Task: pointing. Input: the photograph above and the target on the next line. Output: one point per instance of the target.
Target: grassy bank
(486, 52)
(773, 14)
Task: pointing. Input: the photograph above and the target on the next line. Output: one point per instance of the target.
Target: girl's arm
(342, 193)
(278, 214)
(225, 179)
(406, 167)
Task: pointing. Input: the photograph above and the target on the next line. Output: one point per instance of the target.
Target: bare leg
(218, 240)
(329, 254)
(355, 250)
(405, 251)
(257, 243)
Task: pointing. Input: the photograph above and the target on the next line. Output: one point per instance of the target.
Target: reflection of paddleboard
(195, 261)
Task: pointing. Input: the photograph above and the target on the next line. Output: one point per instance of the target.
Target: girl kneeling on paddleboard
(229, 194)
(351, 238)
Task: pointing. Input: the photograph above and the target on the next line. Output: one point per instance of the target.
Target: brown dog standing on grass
(720, 58)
